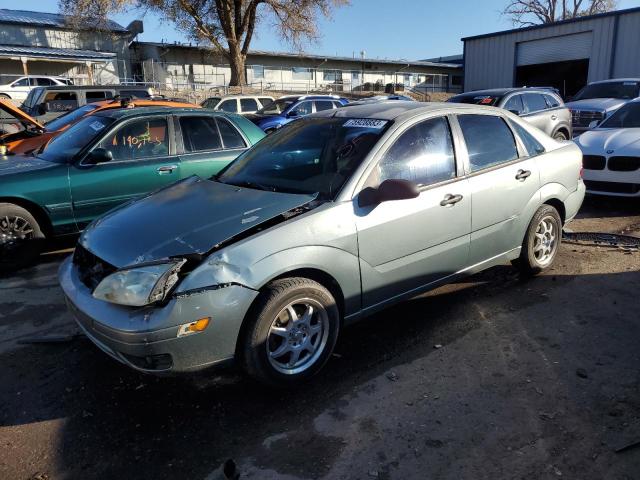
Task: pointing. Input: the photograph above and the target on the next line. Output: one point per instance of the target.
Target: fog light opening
(193, 327)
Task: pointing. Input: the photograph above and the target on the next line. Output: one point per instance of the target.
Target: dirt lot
(490, 378)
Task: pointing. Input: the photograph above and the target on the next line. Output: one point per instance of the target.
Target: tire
(541, 242)
(560, 136)
(4, 96)
(21, 237)
(271, 340)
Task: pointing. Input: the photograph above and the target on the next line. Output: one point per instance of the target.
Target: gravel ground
(492, 377)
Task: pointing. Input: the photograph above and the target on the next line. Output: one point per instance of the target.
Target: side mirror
(392, 189)
(515, 112)
(99, 155)
(293, 114)
(594, 124)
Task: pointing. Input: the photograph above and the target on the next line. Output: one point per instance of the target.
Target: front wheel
(560, 136)
(21, 238)
(291, 332)
(542, 241)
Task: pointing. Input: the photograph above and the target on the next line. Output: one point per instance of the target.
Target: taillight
(581, 172)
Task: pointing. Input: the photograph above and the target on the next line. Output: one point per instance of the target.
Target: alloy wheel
(14, 231)
(546, 241)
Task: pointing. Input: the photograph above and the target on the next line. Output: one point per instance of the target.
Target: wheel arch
(564, 129)
(559, 206)
(34, 209)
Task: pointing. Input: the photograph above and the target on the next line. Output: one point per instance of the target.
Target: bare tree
(227, 26)
(526, 13)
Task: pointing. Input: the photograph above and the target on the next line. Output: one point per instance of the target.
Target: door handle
(523, 174)
(554, 117)
(450, 200)
(166, 169)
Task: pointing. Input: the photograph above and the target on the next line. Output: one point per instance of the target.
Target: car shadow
(119, 423)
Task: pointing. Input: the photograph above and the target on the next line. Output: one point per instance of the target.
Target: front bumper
(146, 338)
(613, 183)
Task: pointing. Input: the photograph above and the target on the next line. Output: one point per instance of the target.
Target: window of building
(332, 75)
(489, 141)
(423, 154)
(248, 105)
(456, 80)
(200, 134)
(257, 71)
(138, 139)
(300, 73)
(231, 138)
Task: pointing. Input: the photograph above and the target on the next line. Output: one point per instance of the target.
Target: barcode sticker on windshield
(97, 126)
(365, 123)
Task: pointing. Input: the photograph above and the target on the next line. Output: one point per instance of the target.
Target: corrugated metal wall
(490, 61)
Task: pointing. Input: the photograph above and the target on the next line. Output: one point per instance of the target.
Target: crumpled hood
(606, 104)
(622, 141)
(190, 216)
(14, 164)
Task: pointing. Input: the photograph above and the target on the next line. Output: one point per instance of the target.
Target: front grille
(593, 162)
(624, 164)
(582, 118)
(613, 187)
(91, 269)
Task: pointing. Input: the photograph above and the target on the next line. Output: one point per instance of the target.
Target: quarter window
(200, 134)
(552, 101)
(45, 82)
(23, 82)
(533, 146)
(248, 105)
(231, 138)
(489, 141)
(423, 154)
(534, 102)
(97, 96)
(145, 138)
(303, 108)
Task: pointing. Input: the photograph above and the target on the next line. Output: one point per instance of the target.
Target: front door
(142, 162)
(503, 180)
(208, 145)
(405, 245)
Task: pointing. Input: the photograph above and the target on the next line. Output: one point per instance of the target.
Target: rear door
(248, 105)
(143, 160)
(537, 112)
(503, 181)
(208, 144)
(321, 105)
(229, 105)
(405, 245)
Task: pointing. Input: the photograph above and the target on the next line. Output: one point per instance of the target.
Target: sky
(392, 29)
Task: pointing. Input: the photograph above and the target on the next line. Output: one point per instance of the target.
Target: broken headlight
(140, 285)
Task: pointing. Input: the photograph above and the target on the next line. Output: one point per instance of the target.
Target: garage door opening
(568, 77)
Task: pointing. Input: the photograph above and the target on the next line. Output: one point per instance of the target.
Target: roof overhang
(55, 54)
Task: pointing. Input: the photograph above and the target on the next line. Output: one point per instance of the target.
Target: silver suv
(598, 100)
(541, 107)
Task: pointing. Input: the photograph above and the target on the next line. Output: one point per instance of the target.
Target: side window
(230, 105)
(96, 96)
(45, 82)
(489, 141)
(337, 104)
(142, 94)
(265, 101)
(231, 138)
(143, 138)
(248, 105)
(200, 134)
(423, 154)
(304, 108)
(23, 82)
(514, 104)
(552, 101)
(323, 105)
(533, 146)
(60, 101)
(534, 102)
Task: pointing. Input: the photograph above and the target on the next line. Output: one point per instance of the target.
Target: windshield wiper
(253, 185)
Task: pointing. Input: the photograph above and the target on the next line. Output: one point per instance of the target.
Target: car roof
(616, 80)
(92, 87)
(310, 97)
(395, 109)
(152, 110)
(504, 91)
(239, 96)
(143, 102)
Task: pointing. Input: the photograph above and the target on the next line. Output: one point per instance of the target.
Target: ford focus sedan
(320, 224)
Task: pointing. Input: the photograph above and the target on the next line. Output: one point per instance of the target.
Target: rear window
(490, 100)
(134, 93)
(624, 90)
(489, 141)
(97, 95)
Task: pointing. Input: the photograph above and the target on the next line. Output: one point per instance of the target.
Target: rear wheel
(560, 136)
(21, 238)
(291, 333)
(541, 243)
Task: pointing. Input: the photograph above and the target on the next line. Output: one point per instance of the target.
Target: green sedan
(103, 161)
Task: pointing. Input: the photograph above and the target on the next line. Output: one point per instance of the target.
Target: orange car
(34, 135)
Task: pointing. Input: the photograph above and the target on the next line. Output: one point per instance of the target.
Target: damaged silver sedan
(324, 222)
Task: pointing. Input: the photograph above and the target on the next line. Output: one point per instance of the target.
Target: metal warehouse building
(565, 54)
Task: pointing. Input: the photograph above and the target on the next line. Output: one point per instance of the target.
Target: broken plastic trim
(218, 286)
(597, 238)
